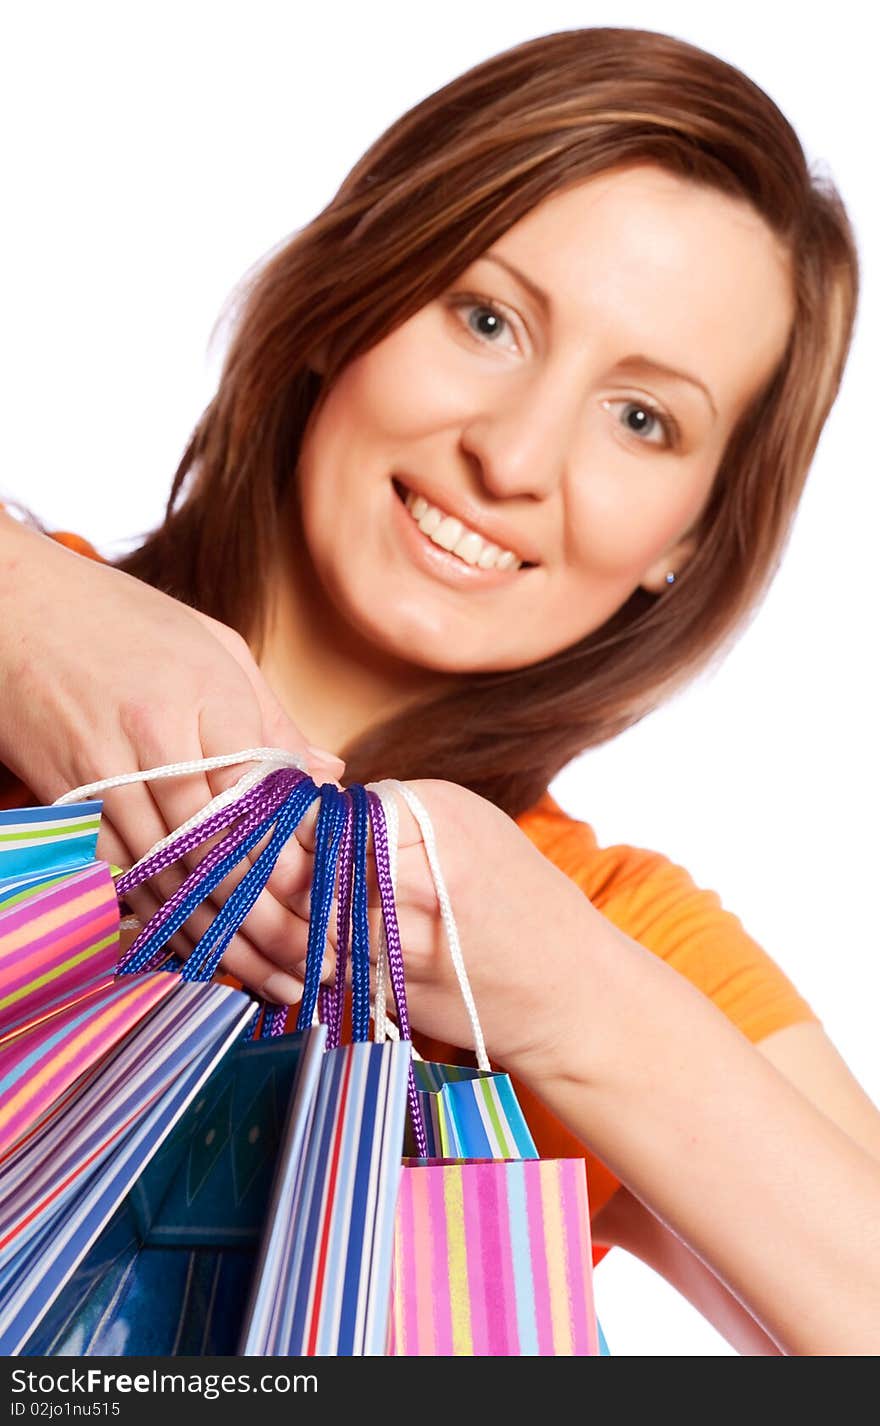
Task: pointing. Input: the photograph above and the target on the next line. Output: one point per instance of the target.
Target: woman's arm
(808, 1060)
(101, 674)
(738, 1172)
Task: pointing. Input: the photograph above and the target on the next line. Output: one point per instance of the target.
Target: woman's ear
(675, 559)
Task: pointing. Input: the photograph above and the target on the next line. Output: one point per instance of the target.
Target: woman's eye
(647, 423)
(484, 319)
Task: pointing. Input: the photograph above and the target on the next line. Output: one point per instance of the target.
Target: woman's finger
(167, 805)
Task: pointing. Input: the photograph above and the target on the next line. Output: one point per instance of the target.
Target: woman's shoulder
(78, 543)
(69, 538)
(572, 845)
(657, 902)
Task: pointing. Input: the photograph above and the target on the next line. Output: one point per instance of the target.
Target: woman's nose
(523, 441)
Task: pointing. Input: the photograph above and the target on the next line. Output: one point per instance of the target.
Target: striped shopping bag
(62, 1183)
(324, 1279)
(471, 1113)
(325, 1275)
(263, 1220)
(493, 1258)
(492, 1253)
(38, 843)
(95, 1069)
(61, 1011)
(59, 915)
(170, 1271)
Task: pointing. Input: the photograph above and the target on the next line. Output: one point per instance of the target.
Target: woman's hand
(506, 898)
(100, 674)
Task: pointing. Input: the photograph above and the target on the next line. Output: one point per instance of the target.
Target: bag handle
(202, 880)
(272, 756)
(426, 827)
(255, 793)
(206, 956)
(329, 845)
(332, 998)
(223, 809)
(261, 796)
(256, 814)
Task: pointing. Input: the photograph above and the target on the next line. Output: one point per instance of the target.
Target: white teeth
(450, 534)
(469, 547)
(430, 521)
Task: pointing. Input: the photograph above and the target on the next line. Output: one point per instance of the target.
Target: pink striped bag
(61, 1011)
(59, 916)
(492, 1258)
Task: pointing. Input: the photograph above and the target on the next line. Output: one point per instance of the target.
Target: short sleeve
(688, 927)
(658, 904)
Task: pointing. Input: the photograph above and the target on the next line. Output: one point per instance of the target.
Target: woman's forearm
(778, 1201)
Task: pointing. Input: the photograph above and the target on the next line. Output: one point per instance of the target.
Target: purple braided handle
(395, 956)
(253, 807)
(281, 778)
(333, 1002)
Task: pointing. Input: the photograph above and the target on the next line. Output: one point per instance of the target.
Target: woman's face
(496, 477)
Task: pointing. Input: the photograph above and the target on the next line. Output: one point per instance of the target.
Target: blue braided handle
(328, 845)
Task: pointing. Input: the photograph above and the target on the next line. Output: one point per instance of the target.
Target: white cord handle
(268, 760)
(152, 774)
(426, 827)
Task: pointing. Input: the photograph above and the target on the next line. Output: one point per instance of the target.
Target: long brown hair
(437, 189)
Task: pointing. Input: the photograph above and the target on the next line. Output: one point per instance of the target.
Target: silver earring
(670, 578)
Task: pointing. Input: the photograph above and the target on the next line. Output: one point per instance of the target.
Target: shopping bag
(492, 1252)
(88, 1097)
(193, 1211)
(59, 916)
(493, 1258)
(471, 1113)
(38, 843)
(170, 1273)
(60, 1010)
(319, 1279)
(61, 1185)
(324, 1278)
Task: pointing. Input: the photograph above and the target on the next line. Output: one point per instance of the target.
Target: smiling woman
(480, 317)
(507, 444)
(521, 406)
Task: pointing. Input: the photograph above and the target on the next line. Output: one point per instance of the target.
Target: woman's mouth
(449, 533)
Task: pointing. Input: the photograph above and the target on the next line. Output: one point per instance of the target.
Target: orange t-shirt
(656, 903)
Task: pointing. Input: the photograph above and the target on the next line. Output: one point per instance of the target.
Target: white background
(153, 155)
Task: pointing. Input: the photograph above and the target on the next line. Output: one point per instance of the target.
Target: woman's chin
(423, 639)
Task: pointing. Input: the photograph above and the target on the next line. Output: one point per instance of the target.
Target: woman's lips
(440, 562)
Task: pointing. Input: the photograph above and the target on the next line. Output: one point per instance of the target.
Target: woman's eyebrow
(531, 287)
(646, 363)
